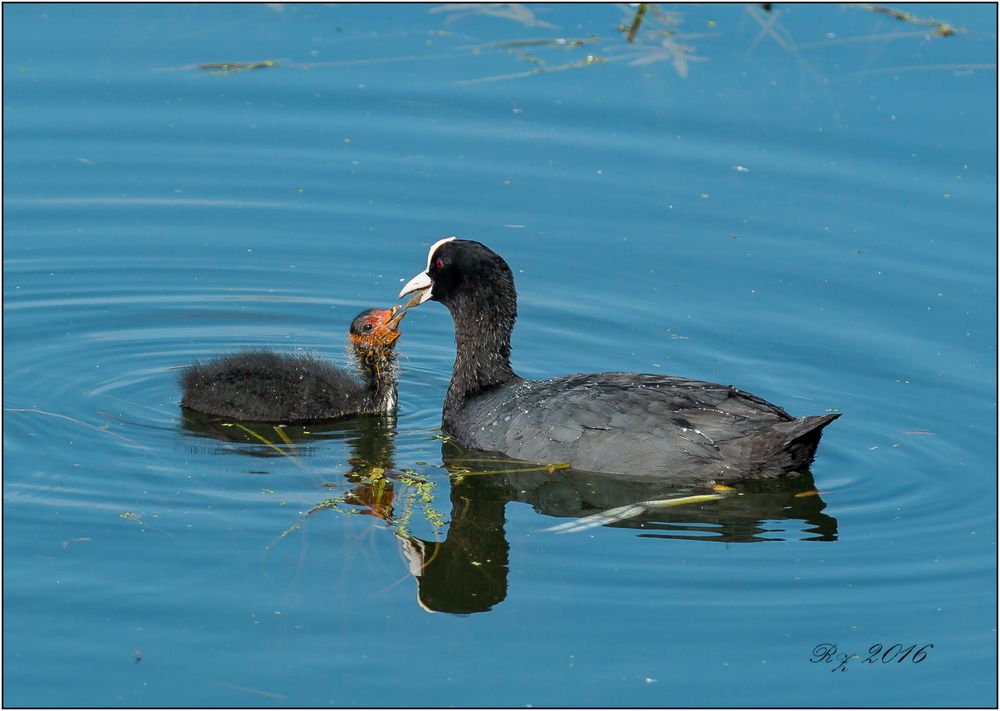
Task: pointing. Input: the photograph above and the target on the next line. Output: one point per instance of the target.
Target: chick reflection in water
(369, 439)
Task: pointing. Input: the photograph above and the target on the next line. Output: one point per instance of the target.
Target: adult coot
(621, 423)
(266, 386)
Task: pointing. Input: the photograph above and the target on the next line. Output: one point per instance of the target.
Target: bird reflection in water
(370, 464)
(465, 571)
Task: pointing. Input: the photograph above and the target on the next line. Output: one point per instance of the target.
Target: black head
(461, 269)
(477, 287)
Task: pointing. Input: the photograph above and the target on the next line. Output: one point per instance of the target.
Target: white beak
(420, 281)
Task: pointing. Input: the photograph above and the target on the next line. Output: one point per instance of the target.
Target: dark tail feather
(806, 429)
(800, 437)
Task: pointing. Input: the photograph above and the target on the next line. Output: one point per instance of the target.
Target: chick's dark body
(267, 386)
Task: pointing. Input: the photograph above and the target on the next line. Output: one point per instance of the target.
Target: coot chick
(266, 386)
(618, 423)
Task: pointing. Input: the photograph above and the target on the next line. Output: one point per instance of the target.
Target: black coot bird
(265, 386)
(618, 423)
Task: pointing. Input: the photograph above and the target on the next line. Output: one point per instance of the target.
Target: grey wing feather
(640, 424)
(604, 422)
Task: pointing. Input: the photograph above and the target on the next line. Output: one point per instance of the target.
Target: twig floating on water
(227, 67)
(557, 42)
(588, 61)
(940, 28)
(639, 14)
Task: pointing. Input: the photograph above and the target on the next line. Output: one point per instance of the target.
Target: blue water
(800, 202)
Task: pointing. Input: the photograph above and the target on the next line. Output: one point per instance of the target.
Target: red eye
(439, 263)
